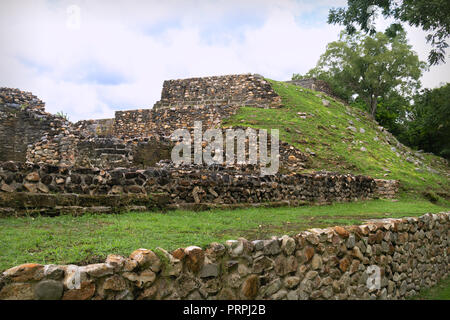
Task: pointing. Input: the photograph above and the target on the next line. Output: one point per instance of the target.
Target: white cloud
(124, 50)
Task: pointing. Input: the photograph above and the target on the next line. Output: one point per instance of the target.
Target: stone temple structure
(49, 164)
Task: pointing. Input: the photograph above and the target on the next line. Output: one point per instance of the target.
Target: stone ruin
(49, 164)
(314, 84)
(134, 138)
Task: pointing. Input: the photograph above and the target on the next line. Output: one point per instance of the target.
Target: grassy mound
(344, 139)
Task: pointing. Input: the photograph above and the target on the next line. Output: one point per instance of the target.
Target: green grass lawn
(441, 291)
(90, 238)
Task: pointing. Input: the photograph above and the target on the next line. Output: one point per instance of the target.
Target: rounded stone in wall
(48, 290)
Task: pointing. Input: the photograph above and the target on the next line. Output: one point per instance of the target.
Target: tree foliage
(429, 124)
(372, 67)
(430, 15)
(392, 114)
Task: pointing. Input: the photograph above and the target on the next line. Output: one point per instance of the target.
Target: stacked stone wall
(24, 122)
(110, 153)
(208, 100)
(96, 128)
(164, 122)
(245, 89)
(314, 84)
(180, 186)
(387, 188)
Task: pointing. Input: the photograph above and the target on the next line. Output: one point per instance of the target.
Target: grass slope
(337, 148)
(90, 238)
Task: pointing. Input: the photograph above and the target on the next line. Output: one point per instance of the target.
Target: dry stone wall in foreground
(333, 263)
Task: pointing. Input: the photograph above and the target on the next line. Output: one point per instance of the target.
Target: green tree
(430, 15)
(371, 67)
(392, 113)
(298, 76)
(429, 125)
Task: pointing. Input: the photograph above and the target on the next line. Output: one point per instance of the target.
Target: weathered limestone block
(141, 279)
(194, 259)
(48, 290)
(25, 272)
(146, 259)
(170, 265)
(85, 292)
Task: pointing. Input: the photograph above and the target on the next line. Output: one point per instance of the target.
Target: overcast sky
(117, 55)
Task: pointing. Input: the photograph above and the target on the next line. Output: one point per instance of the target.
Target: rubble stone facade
(196, 185)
